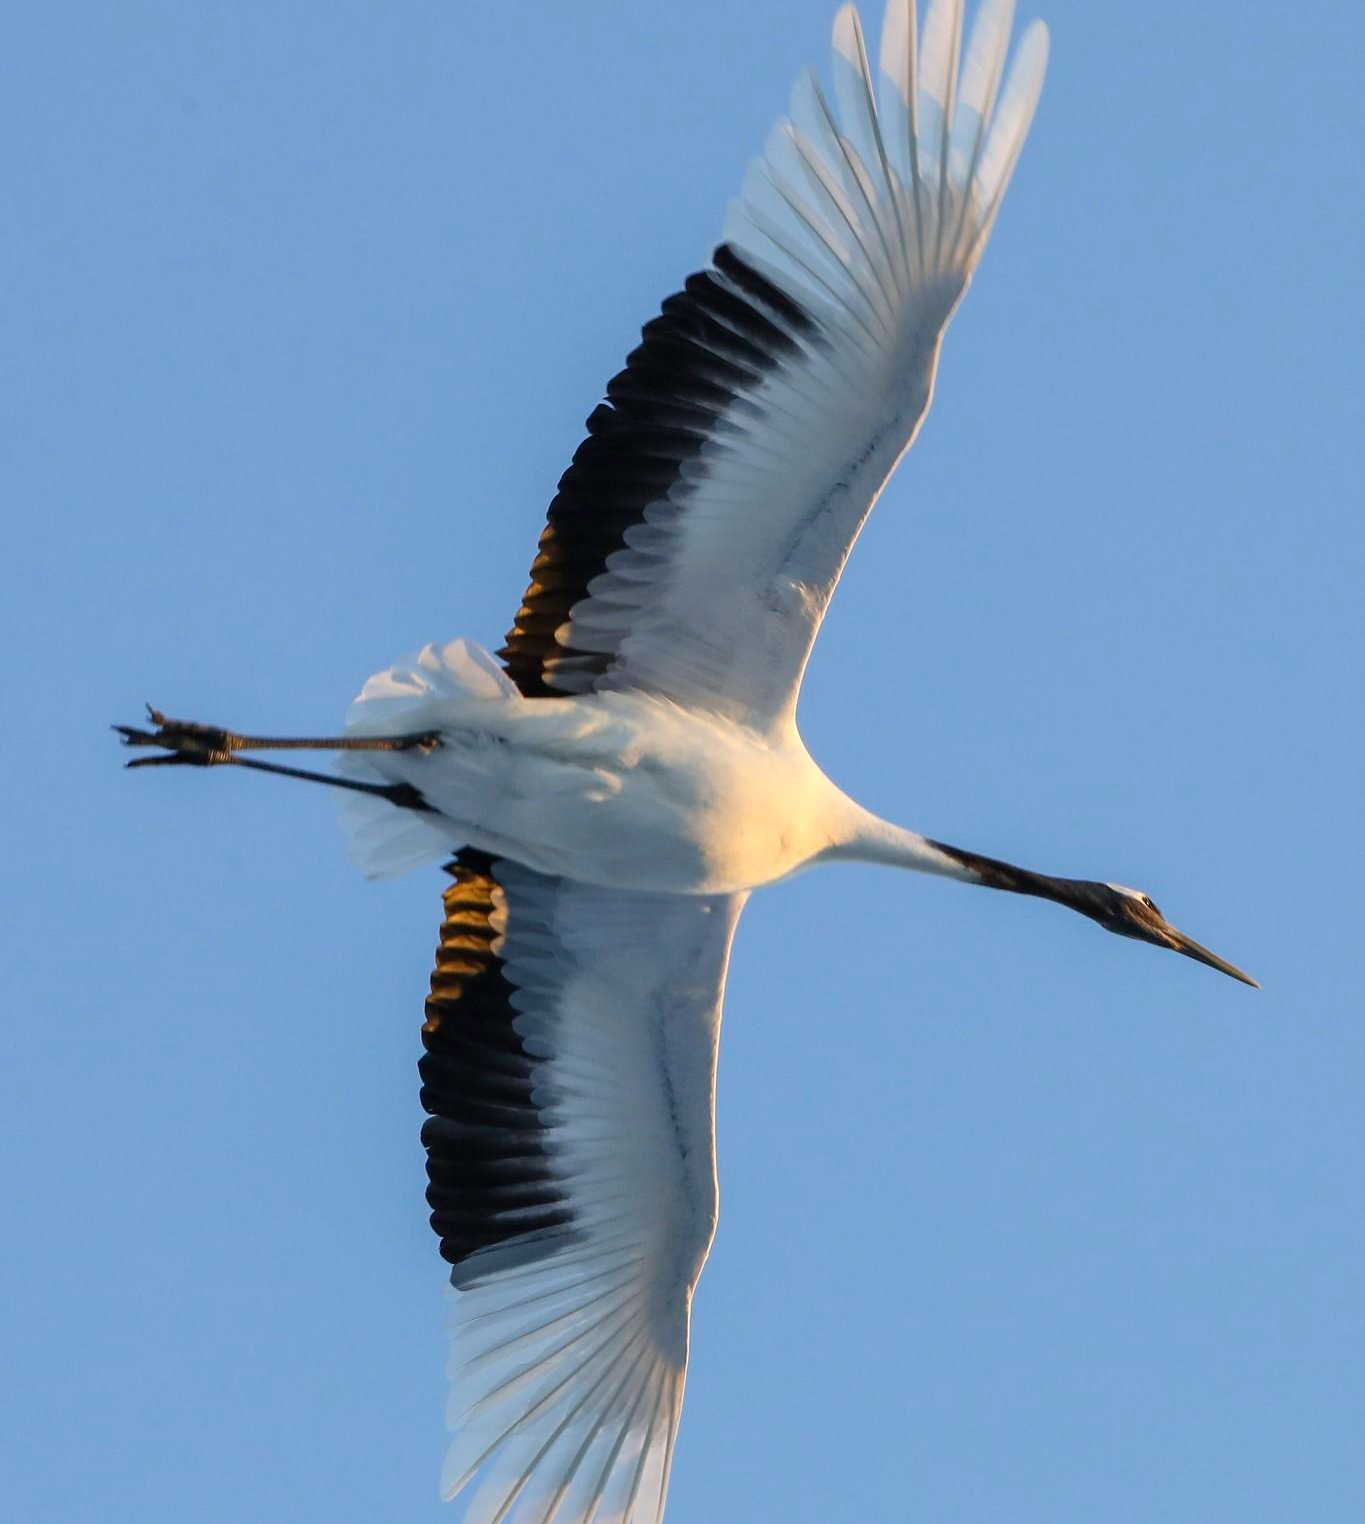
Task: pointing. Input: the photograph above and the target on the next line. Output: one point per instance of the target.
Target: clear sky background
(303, 308)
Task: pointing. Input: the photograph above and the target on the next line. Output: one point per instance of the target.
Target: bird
(607, 791)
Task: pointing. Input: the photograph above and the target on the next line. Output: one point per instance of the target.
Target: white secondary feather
(569, 1349)
(872, 221)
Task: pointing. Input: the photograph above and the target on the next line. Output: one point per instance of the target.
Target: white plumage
(614, 789)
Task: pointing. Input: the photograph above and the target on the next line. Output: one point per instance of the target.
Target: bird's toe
(183, 740)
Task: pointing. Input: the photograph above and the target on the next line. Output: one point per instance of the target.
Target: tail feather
(417, 693)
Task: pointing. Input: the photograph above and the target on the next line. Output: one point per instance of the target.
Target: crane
(607, 792)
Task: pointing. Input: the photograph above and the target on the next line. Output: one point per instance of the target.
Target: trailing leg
(188, 743)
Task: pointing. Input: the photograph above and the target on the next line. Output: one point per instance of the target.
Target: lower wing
(570, 1075)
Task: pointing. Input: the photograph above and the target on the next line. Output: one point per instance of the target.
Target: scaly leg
(195, 745)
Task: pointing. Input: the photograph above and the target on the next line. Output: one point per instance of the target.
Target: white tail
(415, 694)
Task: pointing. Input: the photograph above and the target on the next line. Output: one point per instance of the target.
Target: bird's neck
(871, 839)
(866, 838)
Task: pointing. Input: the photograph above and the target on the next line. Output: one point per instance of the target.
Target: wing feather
(570, 1076)
(698, 535)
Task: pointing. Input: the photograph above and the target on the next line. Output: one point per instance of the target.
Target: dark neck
(993, 874)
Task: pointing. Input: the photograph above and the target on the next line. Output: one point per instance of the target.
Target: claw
(186, 741)
(134, 737)
(170, 758)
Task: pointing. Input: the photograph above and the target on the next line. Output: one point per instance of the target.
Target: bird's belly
(657, 838)
(681, 807)
(650, 830)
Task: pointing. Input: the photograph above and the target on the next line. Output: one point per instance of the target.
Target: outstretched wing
(570, 1075)
(697, 537)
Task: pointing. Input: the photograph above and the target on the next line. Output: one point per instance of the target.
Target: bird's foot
(184, 741)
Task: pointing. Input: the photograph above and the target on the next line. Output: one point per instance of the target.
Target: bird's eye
(1146, 900)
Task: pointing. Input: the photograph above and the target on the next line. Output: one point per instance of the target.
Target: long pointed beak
(1192, 949)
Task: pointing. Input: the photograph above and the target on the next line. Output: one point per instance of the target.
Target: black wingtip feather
(712, 343)
(489, 1170)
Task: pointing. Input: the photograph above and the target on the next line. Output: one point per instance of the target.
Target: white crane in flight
(609, 795)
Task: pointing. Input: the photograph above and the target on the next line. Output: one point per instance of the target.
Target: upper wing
(697, 537)
(570, 1075)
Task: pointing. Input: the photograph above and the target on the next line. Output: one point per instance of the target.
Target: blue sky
(304, 307)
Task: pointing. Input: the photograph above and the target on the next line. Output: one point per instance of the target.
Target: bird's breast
(646, 796)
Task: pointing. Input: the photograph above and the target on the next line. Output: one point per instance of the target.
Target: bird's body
(622, 790)
(607, 797)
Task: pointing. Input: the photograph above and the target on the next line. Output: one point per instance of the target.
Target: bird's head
(1131, 913)
(1116, 907)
